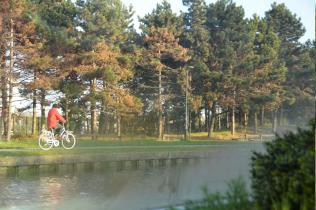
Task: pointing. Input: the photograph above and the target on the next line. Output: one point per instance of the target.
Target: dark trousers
(57, 130)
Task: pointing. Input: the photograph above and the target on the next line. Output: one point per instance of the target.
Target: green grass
(76, 151)
(17, 144)
(30, 147)
(147, 143)
(20, 144)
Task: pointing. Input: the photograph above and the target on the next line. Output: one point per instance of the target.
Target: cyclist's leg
(58, 129)
(53, 131)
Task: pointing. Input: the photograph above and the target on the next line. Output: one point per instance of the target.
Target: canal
(125, 186)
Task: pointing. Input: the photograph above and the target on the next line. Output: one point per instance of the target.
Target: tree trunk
(111, 124)
(227, 118)
(13, 123)
(34, 107)
(200, 121)
(34, 112)
(186, 107)
(10, 81)
(233, 115)
(67, 113)
(38, 120)
(87, 124)
(280, 119)
(219, 122)
(274, 121)
(102, 123)
(245, 124)
(160, 120)
(4, 92)
(43, 123)
(167, 125)
(1, 128)
(212, 120)
(262, 116)
(190, 127)
(26, 125)
(193, 120)
(233, 121)
(93, 108)
(107, 123)
(240, 118)
(206, 116)
(102, 117)
(118, 118)
(256, 122)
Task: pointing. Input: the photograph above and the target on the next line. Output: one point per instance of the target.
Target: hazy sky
(302, 8)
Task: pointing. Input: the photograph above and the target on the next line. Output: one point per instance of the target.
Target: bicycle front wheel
(68, 141)
(44, 142)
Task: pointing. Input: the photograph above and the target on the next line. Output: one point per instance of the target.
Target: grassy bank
(196, 136)
(83, 146)
(28, 145)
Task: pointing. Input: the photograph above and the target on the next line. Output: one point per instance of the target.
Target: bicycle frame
(55, 142)
(63, 131)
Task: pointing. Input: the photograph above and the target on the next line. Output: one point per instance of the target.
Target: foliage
(292, 53)
(162, 17)
(88, 54)
(283, 177)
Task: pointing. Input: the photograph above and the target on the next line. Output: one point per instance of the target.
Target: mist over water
(133, 189)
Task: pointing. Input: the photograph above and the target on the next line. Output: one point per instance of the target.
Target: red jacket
(53, 118)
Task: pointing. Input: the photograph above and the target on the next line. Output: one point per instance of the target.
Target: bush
(283, 177)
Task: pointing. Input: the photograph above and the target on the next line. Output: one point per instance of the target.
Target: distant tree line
(112, 79)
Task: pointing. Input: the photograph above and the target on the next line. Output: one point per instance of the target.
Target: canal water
(127, 188)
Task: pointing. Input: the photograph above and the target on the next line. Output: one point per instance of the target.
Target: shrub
(283, 177)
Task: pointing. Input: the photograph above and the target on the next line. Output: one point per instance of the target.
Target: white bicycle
(47, 140)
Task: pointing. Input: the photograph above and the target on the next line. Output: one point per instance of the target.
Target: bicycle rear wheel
(44, 142)
(68, 141)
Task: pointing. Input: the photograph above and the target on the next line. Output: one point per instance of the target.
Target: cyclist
(53, 118)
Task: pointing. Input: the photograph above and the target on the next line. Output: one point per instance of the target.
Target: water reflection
(123, 188)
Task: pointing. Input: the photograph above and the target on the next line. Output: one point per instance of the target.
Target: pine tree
(162, 17)
(104, 58)
(161, 57)
(195, 37)
(11, 11)
(230, 47)
(146, 80)
(48, 27)
(289, 29)
(301, 81)
(269, 71)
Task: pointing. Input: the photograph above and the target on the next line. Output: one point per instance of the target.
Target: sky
(302, 8)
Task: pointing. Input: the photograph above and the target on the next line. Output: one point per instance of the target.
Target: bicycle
(47, 140)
